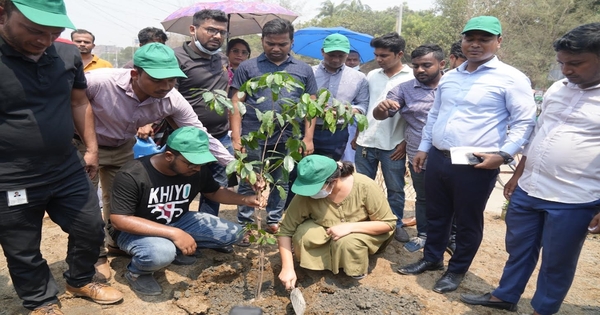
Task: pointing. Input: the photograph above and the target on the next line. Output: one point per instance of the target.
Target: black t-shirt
(203, 75)
(36, 122)
(142, 191)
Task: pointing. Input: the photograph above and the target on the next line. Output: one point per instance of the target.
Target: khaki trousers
(110, 161)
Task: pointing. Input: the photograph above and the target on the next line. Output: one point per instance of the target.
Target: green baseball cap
(158, 60)
(489, 24)
(313, 171)
(45, 12)
(192, 143)
(336, 42)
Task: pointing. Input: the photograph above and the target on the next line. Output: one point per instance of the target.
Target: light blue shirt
(346, 85)
(476, 109)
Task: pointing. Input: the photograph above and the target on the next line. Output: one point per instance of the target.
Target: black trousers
(460, 192)
(71, 203)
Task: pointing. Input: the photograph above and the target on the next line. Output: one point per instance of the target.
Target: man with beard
(206, 69)
(277, 39)
(42, 101)
(150, 213)
(413, 99)
(127, 99)
(85, 42)
(382, 143)
(473, 107)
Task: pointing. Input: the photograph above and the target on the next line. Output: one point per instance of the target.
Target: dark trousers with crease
(460, 192)
(71, 203)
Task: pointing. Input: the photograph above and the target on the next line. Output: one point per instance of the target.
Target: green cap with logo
(45, 12)
(192, 143)
(489, 24)
(336, 42)
(158, 60)
(313, 171)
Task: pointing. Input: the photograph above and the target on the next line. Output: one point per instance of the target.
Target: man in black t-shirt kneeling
(150, 217)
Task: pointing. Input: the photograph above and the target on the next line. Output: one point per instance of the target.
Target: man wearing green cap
(347, 86)
(42, 101)
(473, 107)
(150, 208)
(127, 99)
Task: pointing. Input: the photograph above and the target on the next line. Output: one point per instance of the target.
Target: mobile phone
(472, 159)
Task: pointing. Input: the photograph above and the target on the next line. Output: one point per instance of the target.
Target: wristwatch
(507, 157)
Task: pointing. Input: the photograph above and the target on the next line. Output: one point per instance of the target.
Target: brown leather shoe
(412, 221)
(103, 273)
(272, 228)
(98, 292)
(51, 309)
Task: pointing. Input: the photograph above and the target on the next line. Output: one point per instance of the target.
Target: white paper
(460, 155)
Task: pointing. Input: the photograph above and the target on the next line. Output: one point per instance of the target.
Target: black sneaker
(183, 260)
(143, 284)
(401, 235)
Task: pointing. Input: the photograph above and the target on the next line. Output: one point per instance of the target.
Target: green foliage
(290, 115)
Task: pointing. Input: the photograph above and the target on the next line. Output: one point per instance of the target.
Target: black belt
(446, 153)
(103, 147)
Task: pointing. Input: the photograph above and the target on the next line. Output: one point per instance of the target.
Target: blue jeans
(275, 204)
(71, 203)
(220, 176)
(393, 175)
(418, 180)
(151, 253)
(559, 228)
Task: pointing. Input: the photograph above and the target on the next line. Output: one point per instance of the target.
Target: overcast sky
(117, 22)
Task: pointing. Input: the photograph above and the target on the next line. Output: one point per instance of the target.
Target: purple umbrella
(244, 17)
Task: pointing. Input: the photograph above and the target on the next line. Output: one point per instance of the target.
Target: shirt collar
(492, 63)
(338, 70)
(262, 58)
(8, 50)
(418, 84)
(405, 69)
(576, 87)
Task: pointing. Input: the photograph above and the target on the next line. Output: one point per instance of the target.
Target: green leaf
(242, 108)
(329, 119)
(260, 99)
(361, 122)
(323, 97)
(271, 241)
(208, 97)
(259, 114)
(280, 119)
(288, 163)
(282, 192)
(232, 167)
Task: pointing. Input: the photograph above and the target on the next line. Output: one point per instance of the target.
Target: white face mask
(201, 48)
(323, 193)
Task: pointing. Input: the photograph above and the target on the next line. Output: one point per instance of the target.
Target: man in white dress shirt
(555, 191)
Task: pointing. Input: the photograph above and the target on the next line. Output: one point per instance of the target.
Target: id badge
(17, 197)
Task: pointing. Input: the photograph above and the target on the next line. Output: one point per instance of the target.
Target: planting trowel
(298, 302)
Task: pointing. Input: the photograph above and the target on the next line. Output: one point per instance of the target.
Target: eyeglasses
(237, 52)
(213, 31)
(190, 165)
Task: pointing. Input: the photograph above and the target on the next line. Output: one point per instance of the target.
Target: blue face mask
(201, 48)
(323, 193)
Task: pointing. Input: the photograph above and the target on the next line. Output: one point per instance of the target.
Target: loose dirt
(218, 282)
